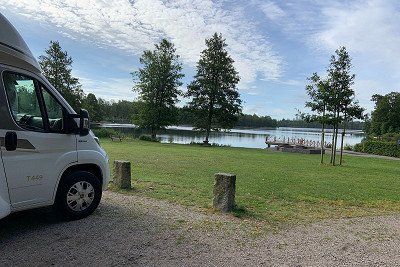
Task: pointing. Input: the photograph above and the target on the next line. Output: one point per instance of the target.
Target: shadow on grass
(240, 211)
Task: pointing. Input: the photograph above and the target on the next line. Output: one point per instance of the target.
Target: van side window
(54, 111)
(23, 101)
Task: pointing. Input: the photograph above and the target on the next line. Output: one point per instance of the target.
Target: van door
(4, 198)
(43, 149)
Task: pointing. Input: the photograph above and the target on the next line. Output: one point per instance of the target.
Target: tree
(56, 66)
(158, 85)
(386, 116)
(342, 95)
(319, 92)
(333, 99)
(91, 104)
(124, 111)
(215, 99)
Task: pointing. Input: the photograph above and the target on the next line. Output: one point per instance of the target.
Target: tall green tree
(386, 116)
(333, 99)
(56, 65)
(157, 83)
(215, 99)
(342, 98)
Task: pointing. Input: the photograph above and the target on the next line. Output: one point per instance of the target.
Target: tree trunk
(323, 137)
(341, 148)
(342, 142)
(322, 143)
(207, 136)
(333, 143)
(334, 152)
(153, 133)
(209, 121)
(335, 134)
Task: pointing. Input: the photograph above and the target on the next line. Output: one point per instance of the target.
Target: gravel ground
(347, 152)
(133, 230)
(365, 155)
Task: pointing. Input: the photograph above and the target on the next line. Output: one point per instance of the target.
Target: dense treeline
(101, 110)
(386, 115)
(124, 111)
(186, 117)
(383, 128)
(255, 121)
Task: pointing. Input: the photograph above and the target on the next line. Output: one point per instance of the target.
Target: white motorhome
(49, 156)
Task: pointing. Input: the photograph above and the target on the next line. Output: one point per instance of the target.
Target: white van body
(45, 155)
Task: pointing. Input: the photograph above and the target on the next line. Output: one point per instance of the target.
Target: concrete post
(224, 192)
(122, 174)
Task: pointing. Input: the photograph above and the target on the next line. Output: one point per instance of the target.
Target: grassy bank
(271, 186)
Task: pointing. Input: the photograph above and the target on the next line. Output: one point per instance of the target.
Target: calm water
(251, 138)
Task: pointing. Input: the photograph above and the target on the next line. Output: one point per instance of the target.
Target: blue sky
(276, 44)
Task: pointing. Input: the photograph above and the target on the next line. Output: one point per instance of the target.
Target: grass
(273, 187)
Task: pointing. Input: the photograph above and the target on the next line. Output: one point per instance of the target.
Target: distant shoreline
(186, 127)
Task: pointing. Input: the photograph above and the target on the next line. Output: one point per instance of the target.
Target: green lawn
(271, 186)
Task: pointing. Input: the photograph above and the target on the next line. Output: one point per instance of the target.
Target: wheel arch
(88, 167)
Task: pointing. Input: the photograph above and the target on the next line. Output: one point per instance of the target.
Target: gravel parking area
(132, 230)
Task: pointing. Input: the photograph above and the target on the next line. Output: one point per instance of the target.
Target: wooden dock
(295, 145)
(276, 143)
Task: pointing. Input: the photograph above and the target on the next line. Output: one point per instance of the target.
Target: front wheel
(79, 195)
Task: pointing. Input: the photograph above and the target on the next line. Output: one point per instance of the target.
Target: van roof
(13, 49)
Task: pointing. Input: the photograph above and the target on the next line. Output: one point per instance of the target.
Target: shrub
(390, 137)
(105, 132)
(148, 138)
(348, 147)
(210, 145)
(358, 147)
(390, 149)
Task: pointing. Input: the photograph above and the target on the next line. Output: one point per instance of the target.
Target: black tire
(67, 184)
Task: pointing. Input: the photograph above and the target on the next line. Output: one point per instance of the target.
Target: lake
(251, 138)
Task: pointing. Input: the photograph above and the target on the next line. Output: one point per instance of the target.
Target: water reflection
(251, 138)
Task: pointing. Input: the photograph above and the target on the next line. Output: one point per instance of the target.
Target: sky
(276, 45)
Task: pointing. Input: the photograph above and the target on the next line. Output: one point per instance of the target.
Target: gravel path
(347, 152)
(365, 155)
(132, 230)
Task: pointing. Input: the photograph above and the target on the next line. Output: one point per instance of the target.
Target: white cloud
(365, 88)
(108, 88)
(369, 28)
(136, 25)
(370, 32)
(272, 11)
(281, 113)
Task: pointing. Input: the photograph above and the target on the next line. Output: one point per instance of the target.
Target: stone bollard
(224, 192)
(122, 174)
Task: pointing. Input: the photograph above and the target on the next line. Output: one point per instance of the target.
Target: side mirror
(82, 127)
(84, 123)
